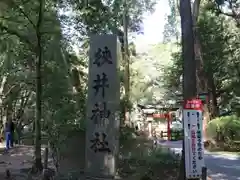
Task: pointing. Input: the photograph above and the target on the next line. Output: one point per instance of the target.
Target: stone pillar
(102, 123)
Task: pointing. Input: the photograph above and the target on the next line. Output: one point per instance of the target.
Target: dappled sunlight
(74, 73)
(142, 159)
(219, 156)
(173, 146)
(19, 157)
(222, 166)
(218, 176)
(232, 167)
(222, 176)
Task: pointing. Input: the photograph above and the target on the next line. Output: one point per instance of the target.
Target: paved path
(220, 166)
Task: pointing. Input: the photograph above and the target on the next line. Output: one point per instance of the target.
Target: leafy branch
(21, 37)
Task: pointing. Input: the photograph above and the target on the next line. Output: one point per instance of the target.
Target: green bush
(227, 126)
(159, 155)
(127, 134)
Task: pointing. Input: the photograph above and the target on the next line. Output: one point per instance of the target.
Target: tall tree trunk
(126, 63)
(3, 117)
(189, 63)
(202, 81)
(38, 160)
(213, 97)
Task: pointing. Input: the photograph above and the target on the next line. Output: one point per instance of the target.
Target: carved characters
(103, 56)
(100, 84)
(99, 143)
(100, 113)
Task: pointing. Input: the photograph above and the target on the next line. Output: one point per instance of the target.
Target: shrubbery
(140, 160)
(227, 126)
(225, 131)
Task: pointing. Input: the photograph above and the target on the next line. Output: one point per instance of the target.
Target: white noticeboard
(193, 141)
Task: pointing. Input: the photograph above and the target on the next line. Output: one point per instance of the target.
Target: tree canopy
(44, 46)
(220, 50)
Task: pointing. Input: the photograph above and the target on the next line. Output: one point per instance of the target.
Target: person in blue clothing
(9, 130)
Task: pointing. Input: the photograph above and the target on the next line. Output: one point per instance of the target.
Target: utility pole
(189, 64)
(126, 61)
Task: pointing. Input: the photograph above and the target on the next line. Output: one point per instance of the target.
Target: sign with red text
(193, 141)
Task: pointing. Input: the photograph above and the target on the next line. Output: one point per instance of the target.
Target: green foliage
(171, 32)
(228, 126)
(141, 160)
(228, 8)
(25, 41)
(213, 38)
(172, 74)
(102, 17)
(63, 79)
(220, 54)
(147, 73)
(157, 156)
(127, 135)
(62, 69)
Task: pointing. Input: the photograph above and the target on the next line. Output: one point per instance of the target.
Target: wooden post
(204, 173)
(102, 125)
(189, 65)
(45, 163)
(168, 126)
(161, 134)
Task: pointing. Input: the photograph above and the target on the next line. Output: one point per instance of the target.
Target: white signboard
(194, 149)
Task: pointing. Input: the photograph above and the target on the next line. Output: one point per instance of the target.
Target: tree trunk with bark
(3, 116)
(213, 97)
(189, 63)
(202, 79)
(126, 64)
(39, 51)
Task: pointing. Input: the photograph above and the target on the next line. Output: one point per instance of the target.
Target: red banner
(193, 104)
